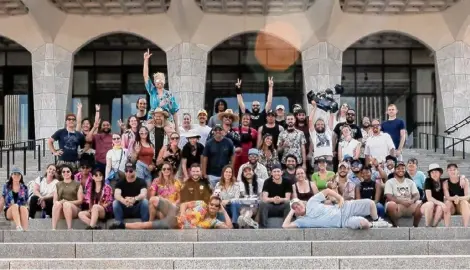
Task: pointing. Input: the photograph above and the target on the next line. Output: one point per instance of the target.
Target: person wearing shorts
(350, 214)
(402, 197)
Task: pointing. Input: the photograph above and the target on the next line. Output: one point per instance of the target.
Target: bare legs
(19, 215)
(91, 217)
(65, 210)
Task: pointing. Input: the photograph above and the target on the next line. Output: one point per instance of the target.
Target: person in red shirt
(248, 138)
(102, 142)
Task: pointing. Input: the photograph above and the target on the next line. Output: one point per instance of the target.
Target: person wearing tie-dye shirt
(159, 97)
(199, 215)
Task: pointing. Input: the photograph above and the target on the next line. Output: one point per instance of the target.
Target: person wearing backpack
(41, 193)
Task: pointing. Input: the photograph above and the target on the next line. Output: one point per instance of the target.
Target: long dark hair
(138, 138)
(254, 183)
(216, 106)
(128, 124)
(10, 181)
(271, 147)
(93, 186)
(72, 174)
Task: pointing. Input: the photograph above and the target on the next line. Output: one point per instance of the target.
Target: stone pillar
(321, 64)
(453, 71)
(52, 81)
(187, 69)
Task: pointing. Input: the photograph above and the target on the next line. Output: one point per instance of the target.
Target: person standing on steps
(396, 129)
(159, 97)
(258, 117)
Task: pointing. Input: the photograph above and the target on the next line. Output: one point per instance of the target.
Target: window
(108, 58)
(80, 82)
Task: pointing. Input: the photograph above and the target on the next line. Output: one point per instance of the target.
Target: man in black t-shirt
(368, 189)
(191, 153)
(275, 198)
(258, 116)
(130, 198)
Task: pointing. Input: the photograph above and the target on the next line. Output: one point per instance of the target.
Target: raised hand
(97, 123)
(97, 107)
(79, 106)
(271, 82)
(147, 55)
(239, 83)
(120, 123)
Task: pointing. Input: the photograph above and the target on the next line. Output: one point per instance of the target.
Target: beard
(290, 167)
(290, 124)
(320, 130)
(343, 174)
(106, 130)
(366, 125)
(255, 110)
(349, 120)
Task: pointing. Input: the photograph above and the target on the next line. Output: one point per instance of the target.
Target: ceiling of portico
(395, 7)
(12, 8)
(387, 40)
(254, 7)
(112, 7)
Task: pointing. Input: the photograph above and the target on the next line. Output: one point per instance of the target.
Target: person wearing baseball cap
(280, 116)
(402, 197)
(433, 207)
(258, 116)
(346, 214)
(277, 193)
(270, 127)
(253, 161)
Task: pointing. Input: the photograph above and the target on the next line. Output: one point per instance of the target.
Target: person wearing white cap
(258, 116)
(316, 214)
(258, 168)
(280, 115)
(433, 207)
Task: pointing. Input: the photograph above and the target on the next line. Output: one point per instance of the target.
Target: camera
(325, 100)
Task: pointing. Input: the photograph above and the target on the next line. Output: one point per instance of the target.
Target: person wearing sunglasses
(15, 199)
(171, 153)
(69, 140)
(116, 159)
(68, 198)
(130, 198)
(166, 186)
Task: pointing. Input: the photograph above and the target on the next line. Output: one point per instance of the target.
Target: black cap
(276, 166)
(300, 111)
(452, 165)
(320, 160)
(356, 163)
(130, 165)
(390, 157)
(218, 126)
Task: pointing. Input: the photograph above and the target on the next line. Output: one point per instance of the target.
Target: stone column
(453, 71)
(52, 83)
(321, 64)
(187, 68)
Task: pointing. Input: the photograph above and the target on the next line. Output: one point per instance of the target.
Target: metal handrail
(434, 141)
(37, 146)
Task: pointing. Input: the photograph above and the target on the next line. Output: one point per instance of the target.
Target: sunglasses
(116, 138)
(129, 170)
(175, 138)
(67, 171)
(166, 169)
(71, 119)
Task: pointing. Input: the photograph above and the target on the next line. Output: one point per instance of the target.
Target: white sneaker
(250, 222)
(380, 223)
(19, 228)
(241, 222)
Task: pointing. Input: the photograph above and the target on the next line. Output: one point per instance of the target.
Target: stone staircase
(404, 248)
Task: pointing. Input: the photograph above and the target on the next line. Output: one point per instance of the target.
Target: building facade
(54, 54)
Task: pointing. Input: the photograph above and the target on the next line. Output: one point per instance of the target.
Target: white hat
(295, 200)
(191, 134)
(435, 167)
(280, 107)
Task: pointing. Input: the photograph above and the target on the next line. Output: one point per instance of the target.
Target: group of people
(315, 170)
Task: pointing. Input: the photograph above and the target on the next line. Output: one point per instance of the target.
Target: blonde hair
(160, 76)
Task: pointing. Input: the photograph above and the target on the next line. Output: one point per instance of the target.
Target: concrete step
(333, 262)
(234, 249)
(265, 235)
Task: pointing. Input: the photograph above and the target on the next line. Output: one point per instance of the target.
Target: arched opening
(387, 68)
(253, 57)
(108, 71)
(16, 92)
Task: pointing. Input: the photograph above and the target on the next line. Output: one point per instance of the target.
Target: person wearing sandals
(67, 199)
(434, 208)
(43, 193)
(116, 159)
(251, 188)
(15, 199)
(99, 198)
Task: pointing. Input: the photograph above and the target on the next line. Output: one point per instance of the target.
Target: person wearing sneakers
(15, 200)
(402, 197)
(434, 207)
(350, 214)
